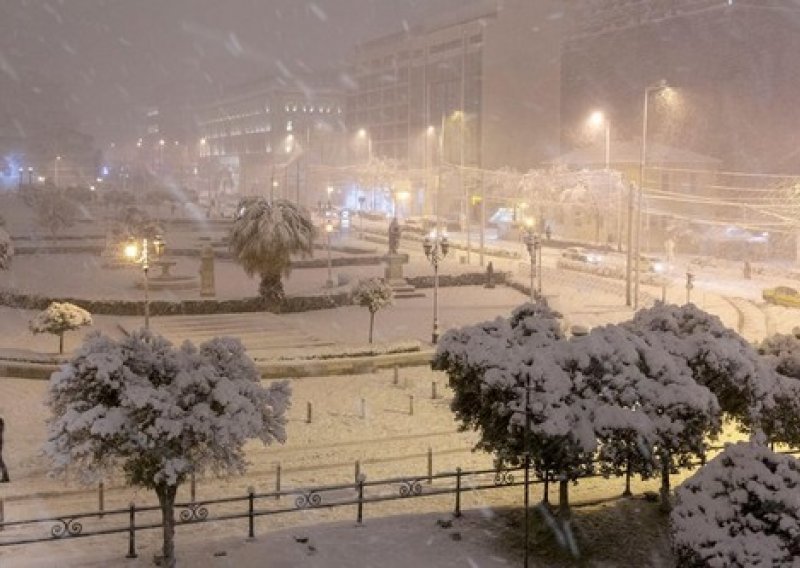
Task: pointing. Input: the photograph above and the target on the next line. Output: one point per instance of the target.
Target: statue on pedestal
(207, 272)
(394, 236)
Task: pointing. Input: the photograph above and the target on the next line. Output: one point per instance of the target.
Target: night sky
(106, 58)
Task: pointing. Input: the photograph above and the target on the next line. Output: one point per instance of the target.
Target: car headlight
(659, 267)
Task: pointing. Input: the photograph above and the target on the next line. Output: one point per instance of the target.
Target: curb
(297, 368)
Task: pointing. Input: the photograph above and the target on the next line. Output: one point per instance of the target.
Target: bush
(739, 510)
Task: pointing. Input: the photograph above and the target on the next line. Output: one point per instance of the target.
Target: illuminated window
(288, 126)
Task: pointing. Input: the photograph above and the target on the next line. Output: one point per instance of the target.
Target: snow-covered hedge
(369, 350)
(617, 272)
(59, 318)
(740, 510)
(6, 250)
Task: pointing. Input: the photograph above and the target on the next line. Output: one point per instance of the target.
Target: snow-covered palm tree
(264, 237)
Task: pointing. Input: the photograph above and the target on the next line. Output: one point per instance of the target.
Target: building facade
(263, 138)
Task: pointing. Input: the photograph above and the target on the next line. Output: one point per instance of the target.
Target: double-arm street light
(142, 256)
(660, 86)
(436, 248)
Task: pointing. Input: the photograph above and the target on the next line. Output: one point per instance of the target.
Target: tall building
(730, 63)
(262, 137)
(478, 86)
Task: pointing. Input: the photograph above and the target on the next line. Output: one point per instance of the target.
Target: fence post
(308, 412)
(458, 493)
(66, 475)
(192, 486)
(430, 466)
(411, 405)
(358, 470)
(278, 481)
(396, 376)
(360, 487)
(363, 408)
(433, 390)
(2, 515)
(101, 498)
(132, 532)
(251, 530)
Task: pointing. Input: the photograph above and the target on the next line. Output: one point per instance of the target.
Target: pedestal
(394, 266)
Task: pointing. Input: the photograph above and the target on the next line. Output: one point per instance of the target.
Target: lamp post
(55, 171)
(328, 231)
(143, 257)
(661, 85)
(689, 286)
(436, 248)
(532, 243)
(361, 200)
(21, 171)
(599, 119)
(30, 175)
(161, 144)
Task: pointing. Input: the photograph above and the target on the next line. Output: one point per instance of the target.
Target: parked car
(581, 255)
(782, 296)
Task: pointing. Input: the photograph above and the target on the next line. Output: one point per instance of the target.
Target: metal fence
(133, 519)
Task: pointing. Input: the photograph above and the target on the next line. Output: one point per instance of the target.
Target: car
(578, 254)
(782, 296)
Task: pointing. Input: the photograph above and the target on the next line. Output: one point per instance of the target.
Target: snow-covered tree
(6, 249)
(159, 413)
(264, 237)
(740, 510)
(718, 357)
(781, 422)
(373, 294)
(59, 318)
(54, 210)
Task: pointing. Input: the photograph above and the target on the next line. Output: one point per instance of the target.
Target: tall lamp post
(55, 171)
(661, 85)
(30, 175)
(142, 257)
(328, 231)
(436, 249)
(599, 119)
(21, 172)
(534, 245)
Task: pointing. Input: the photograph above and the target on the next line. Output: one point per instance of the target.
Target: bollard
(458, 493)
(251, 530)
(132, 532)
(396, 379)
(278, 480)
(308, 413)
(430, 466)
(363, 409)
(433, 390)
(358, 470)
(192, 487)
(360, 487)
(2, 514)
(66, 475)
(411, 405)
(101, 498)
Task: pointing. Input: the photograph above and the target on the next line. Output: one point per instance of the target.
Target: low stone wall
(467, 279)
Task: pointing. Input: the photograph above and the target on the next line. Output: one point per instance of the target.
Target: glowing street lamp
(55, 170)
(660, 86)
(598, 120)
(362, 134)
(436, 248)
(21, 172)
(142, 256)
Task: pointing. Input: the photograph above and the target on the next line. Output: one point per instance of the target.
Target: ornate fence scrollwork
(308, 500)
(502, 477)
(66, 528)
(194, 512)
(410, 487)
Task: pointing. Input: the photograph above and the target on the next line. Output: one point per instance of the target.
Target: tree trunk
(166, 499)
(665, 505)
(61, 343)
(563, 498)
(271, 288)
(371, 323)
(546, 495)
(627, 492)
(3, 471)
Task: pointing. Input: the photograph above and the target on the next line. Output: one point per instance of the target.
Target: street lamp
(364, 135)
(534, 245)
(143, 257)
(660, 86)
(55, 170)
(30, 175)
(689, 286)
(436, 248)
(597, 120)
(21, 172)
(328, 231)
(161, 144)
